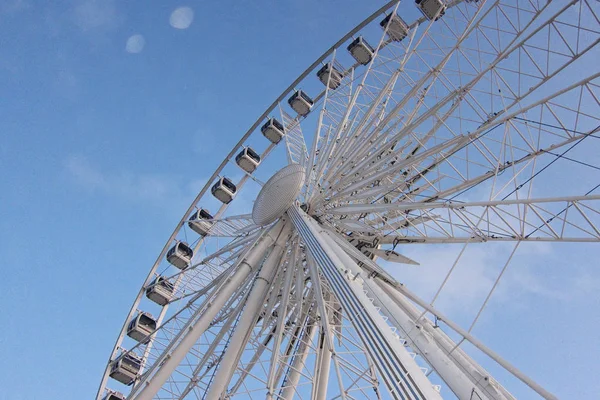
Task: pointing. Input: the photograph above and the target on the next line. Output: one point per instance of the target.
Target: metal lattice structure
(435, 133)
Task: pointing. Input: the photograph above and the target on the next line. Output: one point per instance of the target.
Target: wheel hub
(278, 194)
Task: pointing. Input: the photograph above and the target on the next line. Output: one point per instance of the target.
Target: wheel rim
(444, 113)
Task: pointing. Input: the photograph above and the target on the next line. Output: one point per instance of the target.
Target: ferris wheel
(430, 123)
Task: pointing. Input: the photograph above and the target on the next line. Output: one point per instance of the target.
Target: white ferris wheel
(430, 123)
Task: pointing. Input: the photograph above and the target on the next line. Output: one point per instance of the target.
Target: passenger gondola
(198, 222)
(301, 103)
(397, 29)
(110, 395)
(273, 130)
(361, 50)
(180, 255)
(224, 190)
(248, 159)
(330, 76)
(431, 8)
(126, 369)
(160, 291)
(141, 326)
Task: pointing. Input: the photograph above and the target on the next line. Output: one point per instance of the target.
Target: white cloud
(181, 18)
(170, 192)
(13, 6)
(135, 44)
(84, 173)
(91, 15)
(535, 270)
(467, 285)
(143, 188)
(586, 282)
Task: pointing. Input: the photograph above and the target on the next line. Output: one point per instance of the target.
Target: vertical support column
(293, 375)
(401, 374)
(475, 371)
(464, 386)
(173, 359)
(475, 342)
(322, 365)
(254, 303)
(281, 317)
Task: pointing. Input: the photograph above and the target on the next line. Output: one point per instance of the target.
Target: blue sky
(102, 150)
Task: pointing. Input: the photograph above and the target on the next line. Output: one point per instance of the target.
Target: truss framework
(437, 140)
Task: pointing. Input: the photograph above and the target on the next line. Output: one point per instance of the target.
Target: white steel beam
(151, 385)
(322, 365)
(465, 386)
(281, 317)
(458, 355)
(488, 220)
(366, 208)
(325, 349)
(244, 328)
(293, 374)
(401, 374)
(209, 353)
(474, 341)
(413, 239)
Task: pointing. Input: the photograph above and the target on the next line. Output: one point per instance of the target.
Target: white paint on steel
(423, 343)
(278, 194)
(388, 349)
(152, 386)
(475, 342)
(249, 317)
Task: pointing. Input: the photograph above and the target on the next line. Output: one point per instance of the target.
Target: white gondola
(198, 222)
(300, 102)
(114, 396)
(180, 255)
(160, 291)
(126, 369)
(224, 190)
(141, 326)
(329, 74)
(397, 28)
(248, 159)
(361, 50)
(431, 8)
(273, 130)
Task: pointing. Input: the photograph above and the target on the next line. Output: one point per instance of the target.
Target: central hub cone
(278, 194)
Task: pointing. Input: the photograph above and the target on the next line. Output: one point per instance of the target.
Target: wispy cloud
(90, 15)
(146, 188)
(164, 191)
(8, 7)
(536, 270)
(467, 284)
